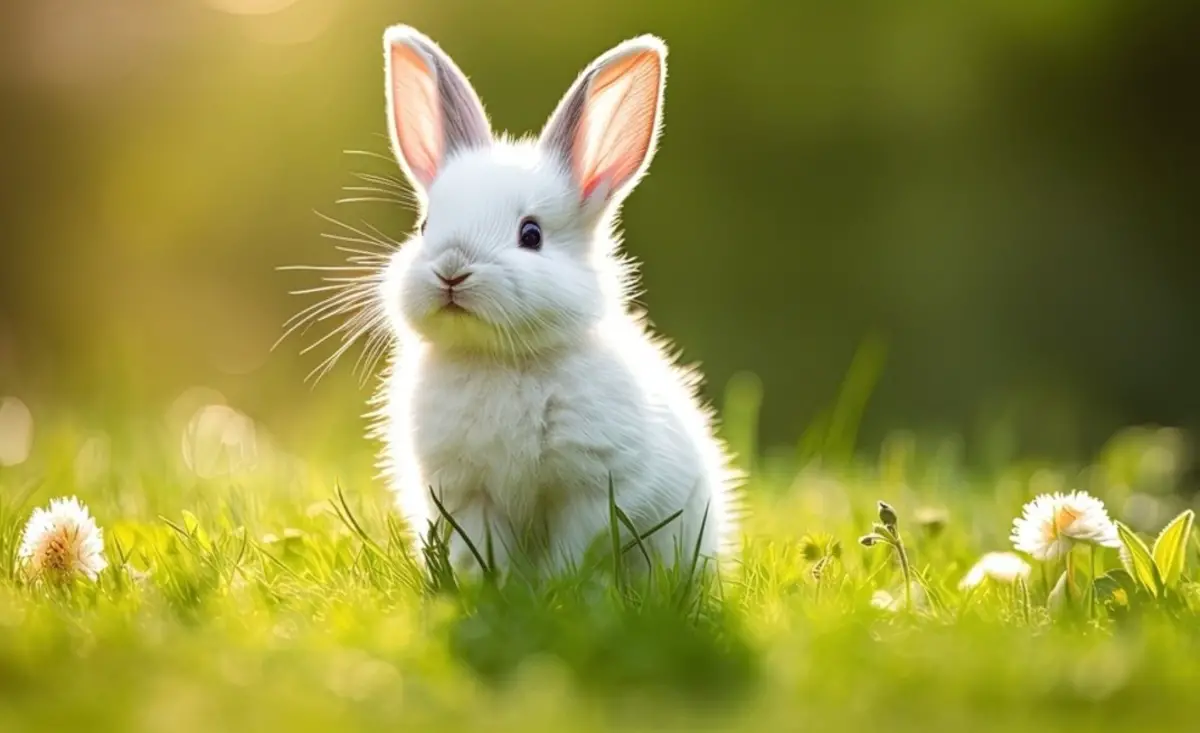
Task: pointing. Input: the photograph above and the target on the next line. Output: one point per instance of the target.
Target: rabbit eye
(423, 224)
(530, 235)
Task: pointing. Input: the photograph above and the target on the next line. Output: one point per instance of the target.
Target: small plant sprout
(1052, 525)
(870, 540)
(62, 542)
(820, 552)
(887, 532)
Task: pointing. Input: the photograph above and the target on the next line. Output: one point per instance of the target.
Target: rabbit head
(514, 250)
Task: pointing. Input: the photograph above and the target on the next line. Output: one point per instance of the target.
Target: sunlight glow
(93, 460)
(251, 7)
(16, 432)
(281, 22)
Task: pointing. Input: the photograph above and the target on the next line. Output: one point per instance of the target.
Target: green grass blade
(461, 532)
(614, 531)
(687, 582)
(637, 539)
(651, 532)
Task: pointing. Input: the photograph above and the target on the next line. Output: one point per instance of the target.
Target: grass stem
(1092, 586)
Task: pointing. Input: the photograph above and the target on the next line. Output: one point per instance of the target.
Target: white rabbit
(522, 383)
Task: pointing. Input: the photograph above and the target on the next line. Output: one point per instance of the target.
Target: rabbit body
(530, 446)
(523, 388)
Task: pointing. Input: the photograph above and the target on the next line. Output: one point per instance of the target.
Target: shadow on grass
(622, 623)
(647, 643)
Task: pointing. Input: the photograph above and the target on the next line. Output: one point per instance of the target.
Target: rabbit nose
(452, 281)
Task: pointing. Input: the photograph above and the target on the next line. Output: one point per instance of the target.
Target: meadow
(1002, 191)
(249, 590)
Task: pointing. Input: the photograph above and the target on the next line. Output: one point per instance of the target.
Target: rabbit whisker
(381, 240)
(395, 245)
(373, 200)
(350, 298)
(355, 240)
(374, 350)
(372, 189)
(325, 268)
(348, 295)
(353, 329)
(390, 182)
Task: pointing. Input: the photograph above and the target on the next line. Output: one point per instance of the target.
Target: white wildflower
(1002, 567)
(61, 541)
(894, 601)
(1053, 523)
(884, 601)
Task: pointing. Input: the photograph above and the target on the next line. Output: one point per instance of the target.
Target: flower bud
(887, 515)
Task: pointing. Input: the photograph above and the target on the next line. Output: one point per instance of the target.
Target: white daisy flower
(1002, 567)
(63, 540)
(1053, 523)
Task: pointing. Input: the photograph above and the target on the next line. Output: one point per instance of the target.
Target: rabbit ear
(432, 109)
(606, 127)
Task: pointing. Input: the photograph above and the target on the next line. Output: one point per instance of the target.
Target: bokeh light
(219, 441)
(16, 431)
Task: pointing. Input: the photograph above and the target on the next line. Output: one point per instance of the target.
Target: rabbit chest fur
(526, 451)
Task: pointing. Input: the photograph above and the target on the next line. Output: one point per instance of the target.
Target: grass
(278, 595)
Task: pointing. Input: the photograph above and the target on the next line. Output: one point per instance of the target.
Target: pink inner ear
(618, 127)
(592, 182)
(416, 113)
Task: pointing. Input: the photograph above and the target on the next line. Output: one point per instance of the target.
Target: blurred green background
(1002, 191)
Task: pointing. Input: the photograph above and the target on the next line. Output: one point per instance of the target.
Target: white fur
(519, 413)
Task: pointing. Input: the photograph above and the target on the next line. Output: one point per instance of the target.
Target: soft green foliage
(1170, 548)
(1138, 560)
(1159, 570)
(283, 598)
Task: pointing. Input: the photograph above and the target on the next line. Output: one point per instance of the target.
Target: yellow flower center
(1064, 517)
(56, 556)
